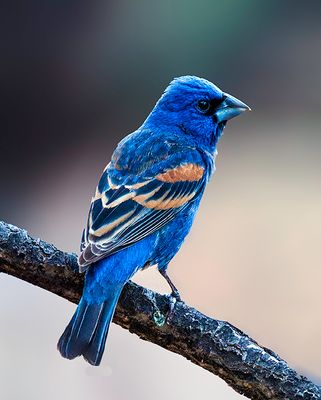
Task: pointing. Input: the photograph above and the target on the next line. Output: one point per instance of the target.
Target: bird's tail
(87, 331)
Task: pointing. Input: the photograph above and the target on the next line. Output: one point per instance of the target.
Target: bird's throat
(217, 133)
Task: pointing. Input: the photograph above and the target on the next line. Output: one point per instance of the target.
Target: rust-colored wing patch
(163, 204)
(187, 172)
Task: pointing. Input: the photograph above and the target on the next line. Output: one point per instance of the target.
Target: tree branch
(217, 346)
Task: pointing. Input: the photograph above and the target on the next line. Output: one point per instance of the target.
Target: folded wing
(127, 210)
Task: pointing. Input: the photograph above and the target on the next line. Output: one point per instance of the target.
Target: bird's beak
(230, 108)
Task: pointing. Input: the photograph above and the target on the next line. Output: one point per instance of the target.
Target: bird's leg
(175, 292)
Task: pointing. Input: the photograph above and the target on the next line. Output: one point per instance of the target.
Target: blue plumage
(145, 203)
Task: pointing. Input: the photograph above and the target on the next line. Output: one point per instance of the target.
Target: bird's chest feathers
(171, 237)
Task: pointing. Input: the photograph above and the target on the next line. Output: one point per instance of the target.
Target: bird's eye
(203, 106)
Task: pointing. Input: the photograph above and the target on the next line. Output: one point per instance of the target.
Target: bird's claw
(176, 295)
(173, 298)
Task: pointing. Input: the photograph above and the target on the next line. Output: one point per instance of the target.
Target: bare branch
(217, 346)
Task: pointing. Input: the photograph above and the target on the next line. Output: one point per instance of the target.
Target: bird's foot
(176, 295)
(173, 298)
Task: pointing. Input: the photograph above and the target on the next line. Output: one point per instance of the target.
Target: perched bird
(145, 203)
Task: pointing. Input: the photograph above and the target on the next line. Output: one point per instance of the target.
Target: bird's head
(196, 107)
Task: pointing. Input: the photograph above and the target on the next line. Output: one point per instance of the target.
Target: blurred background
(77, 76)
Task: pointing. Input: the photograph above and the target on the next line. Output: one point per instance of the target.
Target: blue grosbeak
(145, 203)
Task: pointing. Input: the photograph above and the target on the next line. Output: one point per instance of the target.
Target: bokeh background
(75, 78)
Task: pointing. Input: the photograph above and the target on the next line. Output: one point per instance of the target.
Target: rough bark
(217, 346)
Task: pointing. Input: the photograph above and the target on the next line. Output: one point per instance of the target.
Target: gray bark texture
(216, 346)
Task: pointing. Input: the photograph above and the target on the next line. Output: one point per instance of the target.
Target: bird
(145, 203)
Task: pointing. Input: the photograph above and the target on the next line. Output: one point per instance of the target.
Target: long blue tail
(87, 331)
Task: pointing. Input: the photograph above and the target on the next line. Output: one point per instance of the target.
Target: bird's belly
(171, 236)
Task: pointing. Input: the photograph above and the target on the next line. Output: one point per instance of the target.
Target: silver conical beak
(230, 107)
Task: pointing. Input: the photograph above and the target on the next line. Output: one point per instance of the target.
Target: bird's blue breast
(171, 237)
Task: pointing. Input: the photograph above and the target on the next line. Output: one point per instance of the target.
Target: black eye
(203, 106)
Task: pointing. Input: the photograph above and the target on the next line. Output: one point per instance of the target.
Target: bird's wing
(124, 212)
